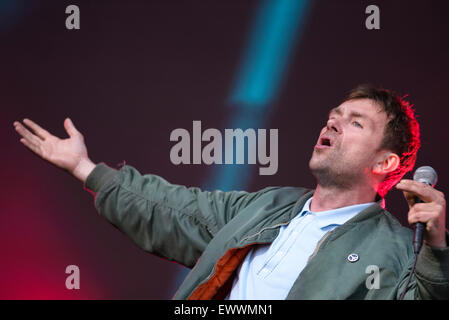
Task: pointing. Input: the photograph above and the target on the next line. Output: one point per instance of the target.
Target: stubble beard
(332, 171)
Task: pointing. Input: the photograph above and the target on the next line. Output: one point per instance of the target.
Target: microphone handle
(419, 230)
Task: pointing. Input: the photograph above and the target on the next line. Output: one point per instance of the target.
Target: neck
(331, 197)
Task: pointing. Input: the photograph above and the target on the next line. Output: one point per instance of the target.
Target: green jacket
(211, 232)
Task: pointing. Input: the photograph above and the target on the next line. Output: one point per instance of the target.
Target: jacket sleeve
(168, 220)
(431, 278)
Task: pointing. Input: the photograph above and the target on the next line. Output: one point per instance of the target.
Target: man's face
(347, 147)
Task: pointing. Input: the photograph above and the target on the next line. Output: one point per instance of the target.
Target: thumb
(70, 127)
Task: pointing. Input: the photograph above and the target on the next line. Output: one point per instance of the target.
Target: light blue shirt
(269, 271)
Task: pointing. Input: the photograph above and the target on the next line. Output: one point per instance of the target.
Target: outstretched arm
(169, 220)
(68, 154)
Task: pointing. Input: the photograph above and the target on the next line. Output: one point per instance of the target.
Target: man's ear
(386, 163)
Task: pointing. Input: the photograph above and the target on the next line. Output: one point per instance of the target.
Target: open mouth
(324, 142)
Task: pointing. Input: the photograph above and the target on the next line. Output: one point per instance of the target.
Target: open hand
(68, 154)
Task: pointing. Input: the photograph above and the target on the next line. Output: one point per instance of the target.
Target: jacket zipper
(318, 246)
(270, 227)
(313, 254)
(259, 232)
(251, 236)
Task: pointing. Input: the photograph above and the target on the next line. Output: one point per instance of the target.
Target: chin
(318, 167)
(317, 164)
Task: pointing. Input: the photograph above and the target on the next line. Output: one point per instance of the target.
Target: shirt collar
(334, 217)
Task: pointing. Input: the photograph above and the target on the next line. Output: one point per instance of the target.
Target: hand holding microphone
(427, 208)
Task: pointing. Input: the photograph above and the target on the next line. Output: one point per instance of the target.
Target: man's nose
(333, 124)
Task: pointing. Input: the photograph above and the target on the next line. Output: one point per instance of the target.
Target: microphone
(428, 176)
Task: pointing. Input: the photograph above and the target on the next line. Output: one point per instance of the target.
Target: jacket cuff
(433, 263)
(99, 177)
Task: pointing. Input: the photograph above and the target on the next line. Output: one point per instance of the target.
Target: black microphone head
(426, 175)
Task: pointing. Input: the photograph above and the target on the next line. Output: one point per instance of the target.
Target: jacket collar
(368, 213)
(337, 216)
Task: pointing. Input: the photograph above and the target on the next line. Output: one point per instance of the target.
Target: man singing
(286, 242)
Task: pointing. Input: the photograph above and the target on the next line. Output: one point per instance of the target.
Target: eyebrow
(335, 110)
